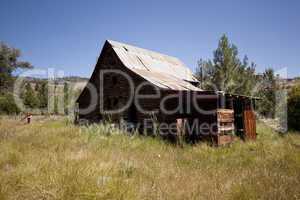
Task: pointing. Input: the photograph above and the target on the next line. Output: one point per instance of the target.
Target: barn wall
(116, 90)
(116, 94)
(187, 110)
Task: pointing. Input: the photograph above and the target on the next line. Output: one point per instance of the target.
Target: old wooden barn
(141, 85)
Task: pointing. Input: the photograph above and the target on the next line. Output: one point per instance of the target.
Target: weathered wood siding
(116, 92)
(249, 124)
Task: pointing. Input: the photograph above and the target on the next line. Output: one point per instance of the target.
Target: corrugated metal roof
(166, 81)
(162, 70)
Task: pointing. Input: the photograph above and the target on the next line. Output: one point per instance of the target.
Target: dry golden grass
(57, 160)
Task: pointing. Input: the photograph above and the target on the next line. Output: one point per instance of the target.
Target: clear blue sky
(68, 35)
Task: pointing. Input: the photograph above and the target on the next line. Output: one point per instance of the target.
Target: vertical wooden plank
(249, 124)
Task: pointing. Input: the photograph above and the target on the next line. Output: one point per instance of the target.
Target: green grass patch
(54, 159)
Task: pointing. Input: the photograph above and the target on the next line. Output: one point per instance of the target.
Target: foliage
(226, 72)
(294, 108)
(9, 62)
(247, 79)
(30, 98)
(7, 104)
(66, 97)
(42, 93)
(267, 88)
(52, 160)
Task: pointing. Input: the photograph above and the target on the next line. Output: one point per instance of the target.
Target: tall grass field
(54, 159)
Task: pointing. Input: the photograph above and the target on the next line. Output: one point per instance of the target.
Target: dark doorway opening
(132, 114)
(238, 117)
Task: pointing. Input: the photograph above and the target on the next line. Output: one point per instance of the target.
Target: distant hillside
(74, 79)
(76, 82)
(56, 88)
(67, 78)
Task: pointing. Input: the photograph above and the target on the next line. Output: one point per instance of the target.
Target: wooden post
(180, 124)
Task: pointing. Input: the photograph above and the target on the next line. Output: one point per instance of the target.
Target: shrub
(294, 108)
(7, 105)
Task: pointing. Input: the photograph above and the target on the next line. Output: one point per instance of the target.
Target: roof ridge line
(143, 49)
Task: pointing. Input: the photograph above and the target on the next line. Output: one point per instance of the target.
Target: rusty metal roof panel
(138, 58)
(165, 81)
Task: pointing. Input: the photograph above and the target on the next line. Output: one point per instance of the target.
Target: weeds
(56, 160)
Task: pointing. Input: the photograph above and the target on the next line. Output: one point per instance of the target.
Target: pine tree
(43, 95)
(30, 99)
(246, 79)
(227, 65)
(226, 72)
